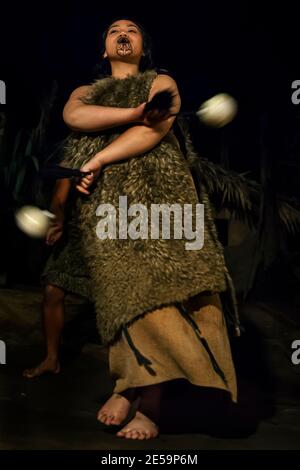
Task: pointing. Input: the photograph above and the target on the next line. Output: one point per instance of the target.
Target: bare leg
(53, 322)
(143, 425)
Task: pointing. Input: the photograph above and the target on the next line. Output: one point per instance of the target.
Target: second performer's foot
(114, 411)
(47, 366)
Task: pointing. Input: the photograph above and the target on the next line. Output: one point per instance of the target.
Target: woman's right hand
(148, 118)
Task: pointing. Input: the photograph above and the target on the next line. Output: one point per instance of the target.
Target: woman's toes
(107, 420)
(115, 421)
(100, 415)
(135, 435)
(124, 432)
(110, 420)
(103, 418)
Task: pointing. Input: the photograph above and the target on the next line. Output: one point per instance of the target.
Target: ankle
(53, 358)
(130, 394)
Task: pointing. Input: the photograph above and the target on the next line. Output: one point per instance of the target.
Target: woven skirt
(176, 342)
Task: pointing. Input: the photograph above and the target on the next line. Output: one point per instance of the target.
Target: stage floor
(59, 412)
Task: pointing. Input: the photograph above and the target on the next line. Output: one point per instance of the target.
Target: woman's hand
(149, 118)
(56, 229)
(54, 233)
(93, 168)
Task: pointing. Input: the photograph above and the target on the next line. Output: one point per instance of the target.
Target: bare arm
(136, 140)
(57, 207)
(92, 118)
(60, 195)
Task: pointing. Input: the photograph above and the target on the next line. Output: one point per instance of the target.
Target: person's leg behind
(53, 322)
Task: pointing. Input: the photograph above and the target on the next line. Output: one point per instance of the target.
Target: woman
(157, 303)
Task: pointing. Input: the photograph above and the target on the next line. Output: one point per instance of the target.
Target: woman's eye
(132, 31)
(112, 31)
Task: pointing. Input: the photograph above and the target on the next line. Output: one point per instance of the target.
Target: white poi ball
(218, 110)
(34, 221)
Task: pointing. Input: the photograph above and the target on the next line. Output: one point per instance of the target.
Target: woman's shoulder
(164, 79)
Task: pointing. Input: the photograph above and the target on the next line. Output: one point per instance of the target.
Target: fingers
(82, 190)
(88, 179)
(51, 239)
(86, 182)
(53, 234)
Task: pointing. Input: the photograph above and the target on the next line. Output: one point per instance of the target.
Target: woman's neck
(122, 70)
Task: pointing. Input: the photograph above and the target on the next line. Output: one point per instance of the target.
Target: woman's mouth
(124, 46)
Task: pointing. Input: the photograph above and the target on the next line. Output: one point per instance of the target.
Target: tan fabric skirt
(174, 350)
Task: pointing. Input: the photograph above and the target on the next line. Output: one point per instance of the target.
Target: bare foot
(114, 411)
(46, 366)
(140, 427)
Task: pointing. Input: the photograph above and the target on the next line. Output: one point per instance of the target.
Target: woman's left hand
(88, 180)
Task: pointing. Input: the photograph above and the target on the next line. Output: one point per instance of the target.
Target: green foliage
(239, 194)
(22, 160)
(24, 156)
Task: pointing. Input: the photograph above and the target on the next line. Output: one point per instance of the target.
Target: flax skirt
(175, 347)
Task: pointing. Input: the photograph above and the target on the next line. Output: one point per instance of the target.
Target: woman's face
(124, 40)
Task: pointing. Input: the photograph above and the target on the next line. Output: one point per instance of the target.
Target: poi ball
(218, 110)
(34, 221)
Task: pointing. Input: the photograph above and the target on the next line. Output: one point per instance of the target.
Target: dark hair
(146, 61)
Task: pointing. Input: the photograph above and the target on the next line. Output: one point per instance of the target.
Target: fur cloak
(132, 277)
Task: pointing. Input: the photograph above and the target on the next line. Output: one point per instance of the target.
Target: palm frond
(289, 216)
(236, 192)
(23, 162)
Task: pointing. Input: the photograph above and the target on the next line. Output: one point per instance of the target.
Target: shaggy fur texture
(132, 277)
